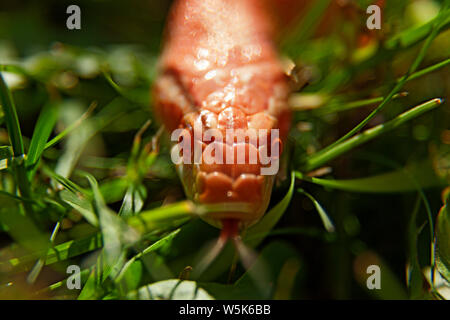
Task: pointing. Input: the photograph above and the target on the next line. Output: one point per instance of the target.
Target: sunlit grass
(126, 221)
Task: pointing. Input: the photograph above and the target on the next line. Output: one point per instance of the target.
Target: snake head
(227, 139)
(228, 161)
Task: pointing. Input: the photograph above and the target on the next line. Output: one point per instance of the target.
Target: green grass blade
(171, 215)
(76, 143)
(416, 63)
(72, 127)
(318, 159)
(14, 197)
(14, 69)
(81, 204)
(414, 35)
(151, 220)
(114, 190)
(415, 279)
(391, 182)
(21, 227)
(442, 240)
(66, 183)
(127, 94)
(306, 28)
(11, 119)
(327, 223)
(93, 288)
(15, 135)
(270, 219)
(34, 273)
(83, 276)
(339, 106)
(426, 71)
(129, 265)
(412, 178)
(61, 252)
(44, 127)
(116, 234)
(133, 201)
(75, 196)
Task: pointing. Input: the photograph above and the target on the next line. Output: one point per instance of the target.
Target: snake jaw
(228, 158)
(217, 187)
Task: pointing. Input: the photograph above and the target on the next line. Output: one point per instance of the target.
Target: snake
(219, 70)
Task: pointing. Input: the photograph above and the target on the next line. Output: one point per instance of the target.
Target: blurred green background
(108, 67)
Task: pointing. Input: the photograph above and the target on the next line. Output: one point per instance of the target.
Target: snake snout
(229, 158)
(213, 183)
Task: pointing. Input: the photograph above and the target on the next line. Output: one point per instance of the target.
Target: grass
(86, 177)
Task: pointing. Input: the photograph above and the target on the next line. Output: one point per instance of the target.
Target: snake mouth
(232, 161)
(244, 198)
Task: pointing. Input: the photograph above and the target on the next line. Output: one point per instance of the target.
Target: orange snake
(219, 67)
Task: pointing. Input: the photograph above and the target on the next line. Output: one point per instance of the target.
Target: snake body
(219, 68)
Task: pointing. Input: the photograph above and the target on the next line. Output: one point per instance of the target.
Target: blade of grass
(327, 223)
(12, 121)
(426, 71)
(136, 194)
(75, 196)
(14, 69)
(391, 182)
(61, 252)
(306, 28)
(127, 94)
(20, 227)
(133, 201)
(83, 275)
(17, 198)
(114, 190)
(72, 127)
(15, 136)
(416, 63)
(94, 289)
(414, 35)
(80, 204)
(339, 106)
(442, 240)
(44, 127)
(318, 159)
(170, 215)
(147, 221)
(270, 219)
(116, 233)
(415, 279)
(34, 273)
(91, 127)
(117, 236)
(413, 178)
(154, 246)
(66, 183)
